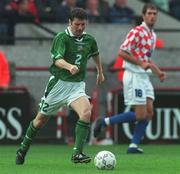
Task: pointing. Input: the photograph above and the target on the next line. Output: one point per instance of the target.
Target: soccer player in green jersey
(70, 52)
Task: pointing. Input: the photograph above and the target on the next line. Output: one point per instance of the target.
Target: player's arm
(57, 53)
(61, 63)
(100, 75)
(130, 58)
(160, 74)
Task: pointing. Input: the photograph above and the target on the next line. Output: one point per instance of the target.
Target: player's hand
(100, 78)
(145, 65)
(162, 76)
(74, 69)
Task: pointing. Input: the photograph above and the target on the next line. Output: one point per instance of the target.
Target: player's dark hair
(78, 13)
(149, 6)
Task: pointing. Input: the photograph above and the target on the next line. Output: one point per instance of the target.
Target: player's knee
(141, 117)
(144, 116)
(86, 115)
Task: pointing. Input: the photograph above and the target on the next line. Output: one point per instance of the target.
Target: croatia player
(136, 52)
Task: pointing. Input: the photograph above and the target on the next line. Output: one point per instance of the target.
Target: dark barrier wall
(165, 126)
(14, 114)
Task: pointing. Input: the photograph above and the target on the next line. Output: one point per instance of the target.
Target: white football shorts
(59, 93)
(137, 88)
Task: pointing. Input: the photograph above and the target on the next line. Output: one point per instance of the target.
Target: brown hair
(148, 6)
(79, 13)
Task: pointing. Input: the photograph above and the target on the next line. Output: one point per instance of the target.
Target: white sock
(132, 145)
(107, 121)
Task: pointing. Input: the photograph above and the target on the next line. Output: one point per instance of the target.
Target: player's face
(150, 17)
(77, 26)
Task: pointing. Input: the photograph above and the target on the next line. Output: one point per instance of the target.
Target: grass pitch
(55, 159)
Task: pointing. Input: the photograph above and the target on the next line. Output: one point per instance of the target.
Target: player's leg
(147, 111)
(139, 129)
(48, 105)
(141, 125)
(31, 132)
(121, 117)
(115, 119)
(83, 108)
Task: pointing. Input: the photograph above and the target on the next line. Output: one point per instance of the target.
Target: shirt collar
(146, 27)
(69, 32)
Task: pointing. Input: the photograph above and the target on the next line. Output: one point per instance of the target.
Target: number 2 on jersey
(78, 59)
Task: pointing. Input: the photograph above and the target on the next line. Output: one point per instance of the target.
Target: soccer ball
(105, 160)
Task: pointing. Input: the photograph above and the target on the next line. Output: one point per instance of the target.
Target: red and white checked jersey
(139, 42)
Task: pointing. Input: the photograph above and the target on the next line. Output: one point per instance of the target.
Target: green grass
(55, 159)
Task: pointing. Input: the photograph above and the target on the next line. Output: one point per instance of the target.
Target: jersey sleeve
(94, 49)
(131, 41)
(58, 47)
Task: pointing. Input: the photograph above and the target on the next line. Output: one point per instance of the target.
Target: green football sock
(82, 130)
(30, 134)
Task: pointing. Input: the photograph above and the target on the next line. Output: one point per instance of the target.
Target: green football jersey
(75, 51)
